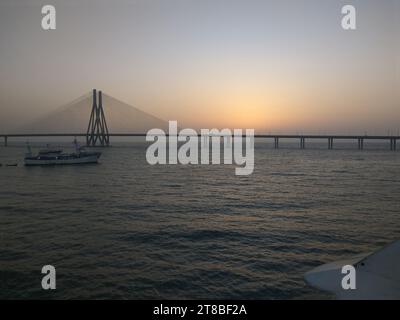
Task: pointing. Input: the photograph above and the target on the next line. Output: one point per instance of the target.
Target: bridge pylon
(97, 131)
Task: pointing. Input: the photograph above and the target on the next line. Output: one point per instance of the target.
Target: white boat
(57, 157)
(377, 275)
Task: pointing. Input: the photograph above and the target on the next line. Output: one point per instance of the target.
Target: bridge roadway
(275, 137)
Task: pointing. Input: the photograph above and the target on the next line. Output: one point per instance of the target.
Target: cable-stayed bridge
(97, 133)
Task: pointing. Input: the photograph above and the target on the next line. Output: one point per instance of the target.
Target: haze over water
(125, 229)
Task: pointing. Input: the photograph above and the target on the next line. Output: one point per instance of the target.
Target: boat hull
(56, 161)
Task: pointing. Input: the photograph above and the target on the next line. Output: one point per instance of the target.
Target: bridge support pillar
(302, 143)
(5, 141)
(97, 130)
(330, 143)
(393, 144)
(360, 144)
(276, 143)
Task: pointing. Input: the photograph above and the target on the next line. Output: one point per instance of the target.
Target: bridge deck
(280, 136)
(276, 137)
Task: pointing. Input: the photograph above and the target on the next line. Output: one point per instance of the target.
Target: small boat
(57, 157)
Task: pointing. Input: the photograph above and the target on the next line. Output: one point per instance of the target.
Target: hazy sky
(277, 66)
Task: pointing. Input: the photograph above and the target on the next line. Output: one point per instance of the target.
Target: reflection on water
(124, 229)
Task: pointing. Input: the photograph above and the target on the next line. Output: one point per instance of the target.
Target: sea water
(124, 229)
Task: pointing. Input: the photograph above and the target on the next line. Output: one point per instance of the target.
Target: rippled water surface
(125, 229)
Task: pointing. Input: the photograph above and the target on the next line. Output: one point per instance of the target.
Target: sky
(282, 66)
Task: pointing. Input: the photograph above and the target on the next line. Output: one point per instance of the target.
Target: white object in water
(56, 157)
(377, 275)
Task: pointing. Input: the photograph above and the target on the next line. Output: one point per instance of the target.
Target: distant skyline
(276, 66)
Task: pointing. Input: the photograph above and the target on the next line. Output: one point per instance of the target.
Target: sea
(123, 229)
